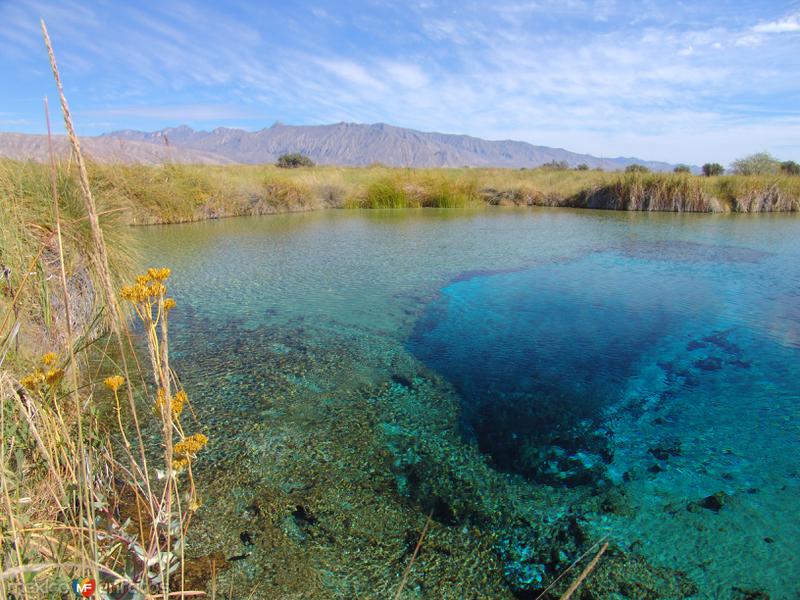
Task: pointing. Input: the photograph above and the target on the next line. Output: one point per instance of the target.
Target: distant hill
(357, 144)
(23, 146)
(338, 144)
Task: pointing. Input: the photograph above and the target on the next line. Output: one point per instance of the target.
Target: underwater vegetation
(336, 445)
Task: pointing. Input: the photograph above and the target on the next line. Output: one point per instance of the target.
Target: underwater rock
(532, 556)
(551, 452)
(290, 527)
(714, 502)
(721, 341)
(615, 502)
(303, 516)
(554, 465)
(426, 480)
(740, 364)
(711, 363)
(745, 594)
(401, 380)
(666, 448)
(246, 538)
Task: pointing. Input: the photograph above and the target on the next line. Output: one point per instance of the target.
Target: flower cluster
(186, 449)
(147, 286)
(159, 274)
(176, 402)
(114, 382)
(32, 381)
(51, 376)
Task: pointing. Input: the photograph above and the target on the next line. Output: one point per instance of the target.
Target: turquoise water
(655, 357)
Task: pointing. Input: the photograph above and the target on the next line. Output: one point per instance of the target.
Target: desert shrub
(713, 169)
(555, 165)
(682, 169)
(293, 161)
(760, 163)
(636, 169)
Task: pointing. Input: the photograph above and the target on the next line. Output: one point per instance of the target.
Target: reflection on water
(647, 360)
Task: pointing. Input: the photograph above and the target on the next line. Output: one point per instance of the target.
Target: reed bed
(140, 195)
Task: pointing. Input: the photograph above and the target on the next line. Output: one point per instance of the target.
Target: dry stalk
(569, 568)
(101, 264)
(584, 574)
(414, 556)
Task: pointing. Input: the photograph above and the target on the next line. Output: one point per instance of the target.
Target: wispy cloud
(181, 112)
(787, 24)
(352, 73)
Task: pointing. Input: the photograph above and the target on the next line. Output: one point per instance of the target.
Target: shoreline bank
(172, 193)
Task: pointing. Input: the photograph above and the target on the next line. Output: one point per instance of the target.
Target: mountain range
(350, 144)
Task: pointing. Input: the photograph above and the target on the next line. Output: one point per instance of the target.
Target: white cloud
(351, 72)
(177, 113)
(749, 40)
(788, 24)
(407, 75)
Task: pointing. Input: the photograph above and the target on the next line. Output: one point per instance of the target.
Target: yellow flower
(49, 358)
(53, 376)
(156, 289)
(179, 464)
(158, 274)
(134, 293)
(161, 399)
(178, 400)
(190, 445)
(32, 381)
(114, 382)
(142, 279)
(169, 304)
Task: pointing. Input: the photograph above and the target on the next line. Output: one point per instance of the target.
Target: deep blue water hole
(542, 357)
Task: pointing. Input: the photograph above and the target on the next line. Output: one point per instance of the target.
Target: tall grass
(137, 194)
(81, 497)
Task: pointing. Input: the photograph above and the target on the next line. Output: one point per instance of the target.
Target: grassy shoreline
(172, 193)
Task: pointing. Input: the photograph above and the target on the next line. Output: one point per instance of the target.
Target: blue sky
(678, 81)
